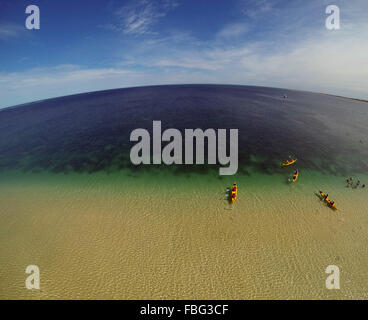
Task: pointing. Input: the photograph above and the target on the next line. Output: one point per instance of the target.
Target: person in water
(363, 186)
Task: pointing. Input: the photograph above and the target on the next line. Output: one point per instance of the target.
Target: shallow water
(160, 236)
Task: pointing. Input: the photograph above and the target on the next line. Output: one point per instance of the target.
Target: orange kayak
(234, 192)
(289, 162)
(329, 202)
(295, 175)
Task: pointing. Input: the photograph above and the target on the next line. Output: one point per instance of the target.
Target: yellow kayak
(289, 162)
(295, 175)
(234, 192)
(329, 202)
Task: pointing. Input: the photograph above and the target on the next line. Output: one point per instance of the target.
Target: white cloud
(43, 83)
(138, 17)
(188, 62)
(255, 8)
(331, 62)
(205, 59)
(10, 30)
(328, 62)
(233, 30)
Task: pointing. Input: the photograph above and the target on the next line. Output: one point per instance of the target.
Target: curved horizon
(178, 84)
(302, 116)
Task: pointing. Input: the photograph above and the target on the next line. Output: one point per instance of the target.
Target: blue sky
(95, 45)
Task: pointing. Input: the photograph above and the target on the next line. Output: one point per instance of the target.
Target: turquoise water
(156, 235)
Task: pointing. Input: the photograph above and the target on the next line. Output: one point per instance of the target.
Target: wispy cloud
(211, 59)
(322, 61)
(233, 30)
(189, 63)
(57, 75)
(43, 83)
(138, 17)
(256, 8)
(10, 30)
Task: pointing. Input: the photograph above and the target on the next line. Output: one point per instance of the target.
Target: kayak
(296, 175)
(329, 202)
(332, 205)
(234, 192)
(322, 194)
(289, 162)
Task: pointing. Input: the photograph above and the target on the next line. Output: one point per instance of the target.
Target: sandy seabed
(123, 236)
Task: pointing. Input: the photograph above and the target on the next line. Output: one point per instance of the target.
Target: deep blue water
(90, 132)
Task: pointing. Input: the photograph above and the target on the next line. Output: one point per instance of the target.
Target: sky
(84, 46)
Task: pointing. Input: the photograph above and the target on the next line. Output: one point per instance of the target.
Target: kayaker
(325, 197)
